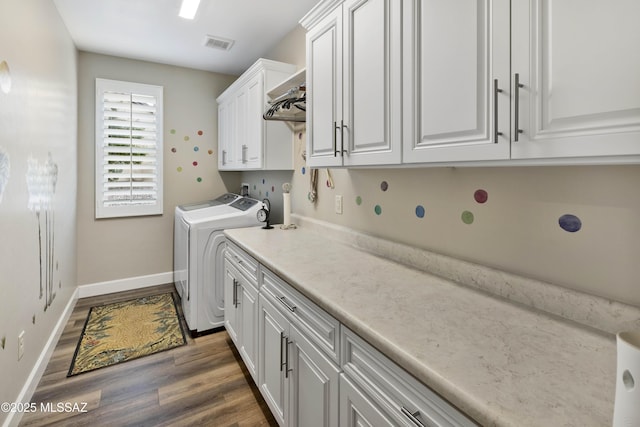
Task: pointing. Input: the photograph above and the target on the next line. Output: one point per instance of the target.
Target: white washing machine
(198, 256)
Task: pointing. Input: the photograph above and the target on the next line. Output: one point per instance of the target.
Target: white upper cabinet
(245, 139)
(354, 83)
(456, 80)
(579, 66)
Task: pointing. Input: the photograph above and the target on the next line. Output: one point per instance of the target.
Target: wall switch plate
(20, 345)
(338, 206)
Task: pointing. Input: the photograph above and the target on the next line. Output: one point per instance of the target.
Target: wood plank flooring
(203, 383)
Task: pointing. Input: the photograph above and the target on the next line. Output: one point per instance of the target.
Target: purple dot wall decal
(195, 163)
(384, 185)
(420, 211)
(570, 223)
(481, 196)
(467, 217)
(378, 210)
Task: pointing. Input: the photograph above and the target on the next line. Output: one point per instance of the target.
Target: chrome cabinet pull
(412, 416)
(286, 359)
(335, 139)
(224, 157)
(235, 293)
(516, 107)
(342, 128)
(281, 352)
(283, 300)
(244, 153)
(496, 91)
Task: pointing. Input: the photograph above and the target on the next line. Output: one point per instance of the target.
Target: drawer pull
(412, 416)
(286, 359)
(496, 91)
(516, 107)
(283, 300)
(281, 352)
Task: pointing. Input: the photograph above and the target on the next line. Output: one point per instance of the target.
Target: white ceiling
(151, 30)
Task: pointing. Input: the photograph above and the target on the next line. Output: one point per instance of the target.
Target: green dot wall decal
(179, 169)
(467, 217)
(186, 138)
(358, 200)
(378, 210)
(172, 131)
(199, 179)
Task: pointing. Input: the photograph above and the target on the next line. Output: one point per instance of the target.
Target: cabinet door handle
(516, 107)
(335, 139)
(283, 300)
(235, 293)
(496, 91)
(412, 416)
(224, 157)
(286, 358)
(281, 352)
(244, 153)
(342, 128)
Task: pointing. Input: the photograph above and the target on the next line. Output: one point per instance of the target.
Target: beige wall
(112, 249)
(517, 229)
(38, 113)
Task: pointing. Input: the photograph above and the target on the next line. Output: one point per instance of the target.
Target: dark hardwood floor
(203, 383)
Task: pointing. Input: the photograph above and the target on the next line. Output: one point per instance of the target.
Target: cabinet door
(314, 384)
(372, 82)
(356, 409)
(248, 303)
(226, 132)
(230, 301)
(324, 78)
(579, 64)
(237, 150)
(251, 146)
(456, 56)
(273, 328)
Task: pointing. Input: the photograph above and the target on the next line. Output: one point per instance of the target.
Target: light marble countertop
(501, 363)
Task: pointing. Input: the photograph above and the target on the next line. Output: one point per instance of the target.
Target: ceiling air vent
(215, 42)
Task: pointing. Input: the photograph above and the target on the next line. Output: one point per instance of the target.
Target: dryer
(198, 255)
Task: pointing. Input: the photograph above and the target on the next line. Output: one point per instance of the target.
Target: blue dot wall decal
(467, 217)
(196, 148)
(570, 223)
(481, 196)
(384, 185)
(303, 170)
(420, 211)
(358, 200)
(378, 210)
(264, 180)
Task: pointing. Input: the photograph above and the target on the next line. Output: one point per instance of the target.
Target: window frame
(127, 210)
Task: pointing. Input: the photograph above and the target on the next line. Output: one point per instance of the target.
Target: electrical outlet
(20, 345)
(338, 207)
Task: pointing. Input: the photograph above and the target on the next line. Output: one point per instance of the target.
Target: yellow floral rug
(122, 331)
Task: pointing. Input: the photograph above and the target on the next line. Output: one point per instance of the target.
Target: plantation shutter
(129, 149)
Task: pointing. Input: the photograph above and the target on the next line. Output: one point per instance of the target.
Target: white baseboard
(128, 284)
(41, 364)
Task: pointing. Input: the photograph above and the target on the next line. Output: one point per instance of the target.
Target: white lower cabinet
(240, 314)
(310, 369)
(397, 396)
(298, 381)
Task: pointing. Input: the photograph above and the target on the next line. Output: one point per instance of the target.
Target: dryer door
(211, 287)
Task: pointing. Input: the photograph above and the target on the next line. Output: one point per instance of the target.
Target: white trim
(127, 284)
(13, 419)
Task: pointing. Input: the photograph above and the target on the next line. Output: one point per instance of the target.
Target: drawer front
(395, 391)
(320, 327)
(243, 262)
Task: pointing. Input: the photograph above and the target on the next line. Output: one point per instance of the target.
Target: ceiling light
(189, 8)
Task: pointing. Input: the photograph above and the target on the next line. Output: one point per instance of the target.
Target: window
(128, 149)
